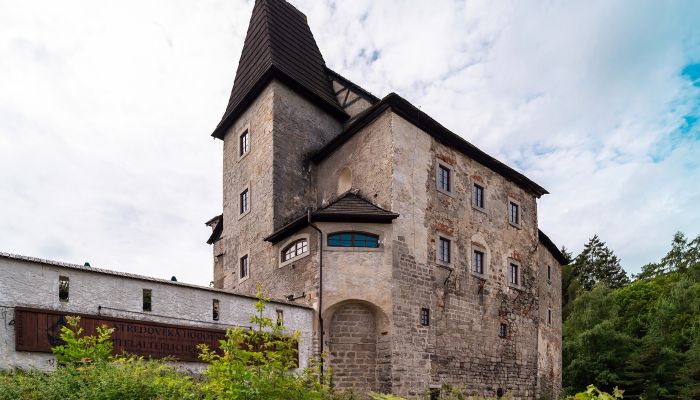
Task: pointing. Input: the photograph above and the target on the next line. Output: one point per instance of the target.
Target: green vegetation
(643, 336)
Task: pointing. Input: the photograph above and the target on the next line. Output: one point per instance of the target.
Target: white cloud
(106, 110)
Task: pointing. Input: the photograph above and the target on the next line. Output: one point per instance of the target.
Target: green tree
(597, 263)
(256, 364)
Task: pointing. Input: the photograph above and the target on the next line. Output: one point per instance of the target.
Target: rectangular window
(245, 201)
(514, 213)
(424, 316)
(478, 196)
(478, 262)
(215, 310)
(243, 272)
(549, 274)
(444, 250)
(513, 277)
(549, 316)
(243, 143)
(63, 288)
(502, 330)
(444, 183)
(280, 317)
(147, 299)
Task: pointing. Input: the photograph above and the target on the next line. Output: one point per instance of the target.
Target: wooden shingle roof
(279, 45)
(348, 207)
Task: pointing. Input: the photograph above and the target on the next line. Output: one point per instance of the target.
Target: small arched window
(353, 239)
(295, 249)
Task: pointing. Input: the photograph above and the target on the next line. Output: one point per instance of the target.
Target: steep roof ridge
(279, 45)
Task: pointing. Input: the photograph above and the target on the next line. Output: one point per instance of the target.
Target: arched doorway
(353, 348)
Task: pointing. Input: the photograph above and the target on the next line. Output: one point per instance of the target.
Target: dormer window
(295, 249)
(353, 239)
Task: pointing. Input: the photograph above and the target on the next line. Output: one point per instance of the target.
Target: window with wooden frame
(478, 196)
(243, 268)
(243, 143)
(478, 262)
(444, 250)
(295, 249)
(352, 239)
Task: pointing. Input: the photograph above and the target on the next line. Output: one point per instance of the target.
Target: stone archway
(353, 348)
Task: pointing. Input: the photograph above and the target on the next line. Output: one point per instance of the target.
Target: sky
(106, 111)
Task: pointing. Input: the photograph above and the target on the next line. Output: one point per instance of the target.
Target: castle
(420, 254)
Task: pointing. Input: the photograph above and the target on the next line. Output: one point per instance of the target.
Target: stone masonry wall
(461, 347)
(549, 334)
(353, 348)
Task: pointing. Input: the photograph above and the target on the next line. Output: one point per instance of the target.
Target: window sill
(478, 275)
(479, 209)
(516, 226)
(444, 265)
(242, 156)
(445, 192)
(240, 216)
(353, 249)
(516, 287)
(245, 278)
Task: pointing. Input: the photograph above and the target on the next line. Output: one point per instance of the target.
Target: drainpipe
(320, 289)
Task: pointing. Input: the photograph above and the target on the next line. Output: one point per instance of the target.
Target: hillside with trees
(641, 334)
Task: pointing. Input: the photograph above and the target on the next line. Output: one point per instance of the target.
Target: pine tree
(597, 263)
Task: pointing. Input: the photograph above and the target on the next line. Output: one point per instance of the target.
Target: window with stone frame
(478, 196)
(514, 213)
(478, 262)
(295, 249)
(243, 267)
(444, 178)
(549, 274)
(549, 316)
(244, 201)
(243, 143)
(444, 250)
(514, 274)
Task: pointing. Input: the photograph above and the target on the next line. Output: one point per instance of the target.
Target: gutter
(320, 290)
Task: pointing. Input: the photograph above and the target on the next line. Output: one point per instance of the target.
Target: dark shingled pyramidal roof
(279, 44)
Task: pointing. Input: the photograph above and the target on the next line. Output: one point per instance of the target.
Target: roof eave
(418, 118)
(303, 221)
(275, 73)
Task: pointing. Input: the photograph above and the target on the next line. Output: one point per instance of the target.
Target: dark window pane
(444, 178)
(444, 250)
(478, 196)
(63, 288)
(353, 239)
(243, 272)
(424, 316)
(478, 262)
(146, 299)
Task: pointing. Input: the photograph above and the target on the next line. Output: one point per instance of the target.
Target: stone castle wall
(393, 164)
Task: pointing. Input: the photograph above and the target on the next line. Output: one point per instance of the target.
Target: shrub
(79, 348)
